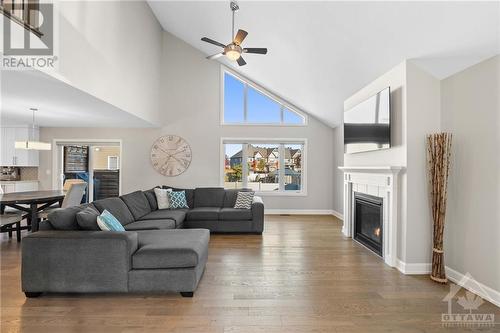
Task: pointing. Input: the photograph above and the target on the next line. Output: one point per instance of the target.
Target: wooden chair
(10, 221)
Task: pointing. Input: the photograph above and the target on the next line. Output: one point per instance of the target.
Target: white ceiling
(320, 53)
(59, 104)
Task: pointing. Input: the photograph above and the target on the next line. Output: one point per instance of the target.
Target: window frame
(248, 83)
(259, 140)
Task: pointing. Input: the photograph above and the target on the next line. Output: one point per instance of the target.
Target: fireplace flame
(377, 232)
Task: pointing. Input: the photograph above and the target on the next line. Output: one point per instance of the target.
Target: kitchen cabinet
(18, 157)
(19, 186)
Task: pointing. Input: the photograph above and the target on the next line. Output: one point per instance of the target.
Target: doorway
(97, 163)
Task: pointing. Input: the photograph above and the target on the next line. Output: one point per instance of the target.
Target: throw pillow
(244, 200)
(87, 218)
(162, 198)
(177, 199)
(107, 222)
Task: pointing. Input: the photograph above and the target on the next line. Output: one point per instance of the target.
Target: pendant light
(32, 144)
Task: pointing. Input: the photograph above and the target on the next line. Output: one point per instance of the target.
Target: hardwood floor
(301, 275)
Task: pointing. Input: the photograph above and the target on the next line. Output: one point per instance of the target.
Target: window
(244, 103)
(270, 166)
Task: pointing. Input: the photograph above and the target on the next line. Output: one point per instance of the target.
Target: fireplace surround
(381, 182)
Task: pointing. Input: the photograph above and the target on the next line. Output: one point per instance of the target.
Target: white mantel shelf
(382, 182)
(380, 169)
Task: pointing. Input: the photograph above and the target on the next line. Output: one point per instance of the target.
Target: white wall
(111, 50)
(471, 111)
(190, 107)
(423, 102)
(338, 175)
(396, 155)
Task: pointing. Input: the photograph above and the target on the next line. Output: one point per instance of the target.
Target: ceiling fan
(233, 50)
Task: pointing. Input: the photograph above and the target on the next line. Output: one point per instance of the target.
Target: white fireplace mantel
(379, 181)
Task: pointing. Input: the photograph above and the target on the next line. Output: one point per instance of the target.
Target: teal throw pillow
(177, 199)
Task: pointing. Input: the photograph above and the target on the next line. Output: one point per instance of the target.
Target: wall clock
(170, 155)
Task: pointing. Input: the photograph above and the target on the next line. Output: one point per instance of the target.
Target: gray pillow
(64, 218)
(87, 219)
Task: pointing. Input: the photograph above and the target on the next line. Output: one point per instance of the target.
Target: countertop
(17, 181)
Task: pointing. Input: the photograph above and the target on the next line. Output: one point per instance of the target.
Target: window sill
(264, 124)
(281, 194)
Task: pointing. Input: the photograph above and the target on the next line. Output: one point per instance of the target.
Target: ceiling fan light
(233, 55)
(233, 52)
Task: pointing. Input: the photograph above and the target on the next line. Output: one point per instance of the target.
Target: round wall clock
(170, 155)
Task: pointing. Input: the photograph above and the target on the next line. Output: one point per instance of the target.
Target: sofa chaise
(162, 250)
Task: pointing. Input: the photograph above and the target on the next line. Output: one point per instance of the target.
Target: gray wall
(190, 107)
(471, 111)
(111, 50)
(338, 175)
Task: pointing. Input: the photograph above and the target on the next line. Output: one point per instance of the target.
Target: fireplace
(368, 221)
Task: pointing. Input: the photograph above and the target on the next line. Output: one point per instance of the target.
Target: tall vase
(438, 160)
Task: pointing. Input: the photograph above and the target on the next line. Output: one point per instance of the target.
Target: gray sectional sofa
(161, 250)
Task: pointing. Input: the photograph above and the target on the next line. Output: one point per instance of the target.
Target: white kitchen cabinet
(8, 188)
(19, 186)
(26, 186)
(18, 157)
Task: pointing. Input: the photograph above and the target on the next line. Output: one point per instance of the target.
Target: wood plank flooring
(301, 275)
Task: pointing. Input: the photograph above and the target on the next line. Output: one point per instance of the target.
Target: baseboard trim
(298, 212)
(338, 215)
(468, 282)
(413, 269)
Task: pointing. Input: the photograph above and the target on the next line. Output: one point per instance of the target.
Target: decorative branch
(438, 159)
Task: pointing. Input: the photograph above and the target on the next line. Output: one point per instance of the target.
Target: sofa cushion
(137, 203)
(117, 207)
(87, 218)
(189, 194)
(151, 225)
(235, 214)
(108, 222)
(162, 197)
(151, 196)
(230, 196)
(177, 199)
(64, 218)
(178, 215)
(170, 248)
(203, 214)
(208, 197)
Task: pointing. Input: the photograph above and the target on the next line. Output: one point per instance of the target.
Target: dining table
(31, 202)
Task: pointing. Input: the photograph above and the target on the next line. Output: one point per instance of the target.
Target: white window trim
(283, 104)
(281, 192)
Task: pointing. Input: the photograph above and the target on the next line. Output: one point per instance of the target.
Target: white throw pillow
(162, 197)
(244, 200)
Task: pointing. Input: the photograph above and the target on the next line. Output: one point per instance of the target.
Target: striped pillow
(244, 200)
(107, 222)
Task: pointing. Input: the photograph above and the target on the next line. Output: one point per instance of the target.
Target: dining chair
(10, 221)
(72, 198)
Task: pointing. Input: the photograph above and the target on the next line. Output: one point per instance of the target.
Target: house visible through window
(264, 167)
(245, 104)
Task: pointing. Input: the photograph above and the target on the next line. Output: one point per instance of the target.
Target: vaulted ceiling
(320, 53)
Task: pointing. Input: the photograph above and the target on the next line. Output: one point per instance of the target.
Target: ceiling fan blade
(215, 56)
(258, 50)
(240, 36)
(241, 61)
(211, 41)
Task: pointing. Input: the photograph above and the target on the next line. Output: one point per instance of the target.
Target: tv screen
(367, 126)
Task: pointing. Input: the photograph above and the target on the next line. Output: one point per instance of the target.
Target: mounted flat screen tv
(367, 126)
